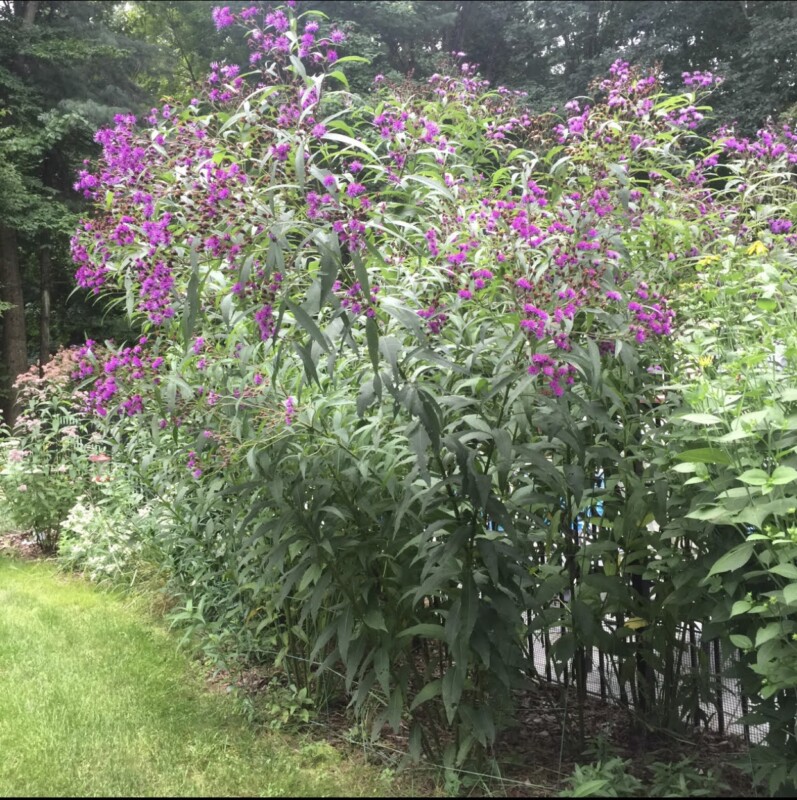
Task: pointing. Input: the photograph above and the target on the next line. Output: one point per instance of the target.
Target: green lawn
(95, 700)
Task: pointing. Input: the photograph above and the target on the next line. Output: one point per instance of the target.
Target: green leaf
(735, 436)
(419, 442)
(340, 76)
(785, 570)
(591, 788)
(309, 324)
(426, 630)
(768, 633)
(416, 739)
(790, 594)
(754, 477)
(783, 475)
(702, 419)
(345, 628)
(452, 688)
(436, 186)
(191, 300)
(372, 340)
(375, 619)
(788, 395)
(733, 559)
(742, 642)
(705, 455)
(707, 514)
(741, 607)
(299, 167)
(361, 272)
(305, 354)
(429, 692)
(348, 140)
(353, 60)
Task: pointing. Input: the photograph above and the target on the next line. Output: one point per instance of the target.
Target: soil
(534, 758)
(20, 545)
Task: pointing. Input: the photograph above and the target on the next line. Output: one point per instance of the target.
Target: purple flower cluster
(769, 145)
(559, 375)
(652, 318)
(125, 368)
(780, 225)
(270, 40)
(290, 410)
(688, 117)
(701, 79)
(354, 300)
(435, 317)
(222, 17)
(192, 463)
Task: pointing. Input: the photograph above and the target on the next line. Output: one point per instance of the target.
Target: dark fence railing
(702, 675)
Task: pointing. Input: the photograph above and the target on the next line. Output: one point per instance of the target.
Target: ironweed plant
(415, 369)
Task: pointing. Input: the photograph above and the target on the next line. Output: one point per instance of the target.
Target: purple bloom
(290, 410)
(779, 225)
(280, 151)
(222, 17)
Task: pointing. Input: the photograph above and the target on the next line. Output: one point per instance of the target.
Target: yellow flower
(707, 261)
(635, 623)
(757, 248)
(705, 361)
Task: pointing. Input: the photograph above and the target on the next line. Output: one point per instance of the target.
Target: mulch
(539, 751)
(20, 545)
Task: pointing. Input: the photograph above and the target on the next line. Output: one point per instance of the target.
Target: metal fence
(710, 696)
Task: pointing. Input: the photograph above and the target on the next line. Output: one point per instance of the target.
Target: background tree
(554, 49)
(63, 73)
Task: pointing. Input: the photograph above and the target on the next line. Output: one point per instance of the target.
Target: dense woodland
(66, 68)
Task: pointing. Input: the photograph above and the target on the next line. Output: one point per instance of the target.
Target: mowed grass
(96, 700)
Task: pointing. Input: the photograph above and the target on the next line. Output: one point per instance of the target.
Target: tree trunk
(27, 10)
(15, 351)
(457, 34)
(44, 316)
